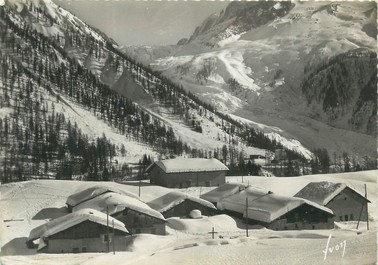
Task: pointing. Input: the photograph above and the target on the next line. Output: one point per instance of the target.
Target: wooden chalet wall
(300, 218)
(347, 206)
(303, 217)
(186, 179)
(137, 223)
(86, 237)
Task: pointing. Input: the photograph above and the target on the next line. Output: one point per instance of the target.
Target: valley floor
(25, 205)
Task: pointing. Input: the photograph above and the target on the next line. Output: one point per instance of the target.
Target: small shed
(86, 230)
(137, 216)
(187, 172)
(179, 204)
(224, 191)
(346, 203)
(277, 212)
(92, 192)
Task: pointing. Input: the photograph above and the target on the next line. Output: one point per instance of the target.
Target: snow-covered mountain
(73, 103)
(291, 65)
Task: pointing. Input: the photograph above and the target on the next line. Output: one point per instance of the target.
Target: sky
(131, 22)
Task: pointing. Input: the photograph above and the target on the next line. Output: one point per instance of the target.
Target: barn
(86, 230)
(179, 204)
(187, 172)
(92, 192)
(275, 211)
(346, 203)
(221, 192)
(137, 216)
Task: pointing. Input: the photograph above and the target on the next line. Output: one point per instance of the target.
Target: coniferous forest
(41, 76)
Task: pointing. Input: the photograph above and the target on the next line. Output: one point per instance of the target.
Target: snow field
(26, 205)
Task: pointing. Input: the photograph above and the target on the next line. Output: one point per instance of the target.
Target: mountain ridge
(259, 73)
(79, 79)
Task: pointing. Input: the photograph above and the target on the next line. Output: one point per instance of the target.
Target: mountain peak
(239, 17)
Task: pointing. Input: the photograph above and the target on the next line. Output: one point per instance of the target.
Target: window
(207, 183)
(341, 218)
(189, 183)
(313, 227)
(351, 217)
(106, 238)
(346, 217)
(296, 225)
(75, 250)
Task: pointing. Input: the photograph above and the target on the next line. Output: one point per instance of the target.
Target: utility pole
(140, 183)
(113, 238)
(107, 226)
(367, 213)
(367, 216)
(246, 215)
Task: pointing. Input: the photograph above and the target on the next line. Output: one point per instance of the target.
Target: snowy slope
(267, 63)
(90, 49)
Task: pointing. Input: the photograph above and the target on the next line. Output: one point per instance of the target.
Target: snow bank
(221, 223)
(115, 203)
(222, 192)
(189, 165)
(171, 199)
(93, 192)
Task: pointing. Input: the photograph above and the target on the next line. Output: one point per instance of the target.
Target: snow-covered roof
(264, 206)
(64, 222)
(222, 192)
(171, 199)
(93, 192)
(323, 192)
(115, 203)
(189, 165)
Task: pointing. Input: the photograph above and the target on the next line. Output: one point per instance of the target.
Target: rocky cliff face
(239, 17)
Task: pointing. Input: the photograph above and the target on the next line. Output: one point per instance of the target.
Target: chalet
(280, 155)
(137, 216)
(86, 230)
(187, 172)
(346, 203)
(275, 211)
(224, 191)
(92, 192)
(179, 204)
